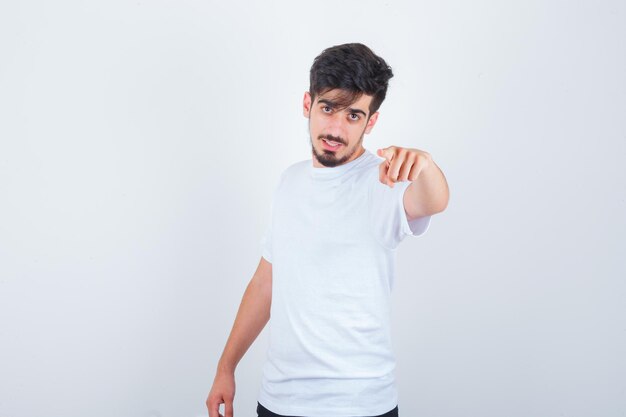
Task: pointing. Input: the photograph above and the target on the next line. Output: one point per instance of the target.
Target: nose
(336, 125)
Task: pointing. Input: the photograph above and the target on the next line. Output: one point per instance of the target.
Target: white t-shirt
(332, 240)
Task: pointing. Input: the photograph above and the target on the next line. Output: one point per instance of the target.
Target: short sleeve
(387, 216)
(266, 240)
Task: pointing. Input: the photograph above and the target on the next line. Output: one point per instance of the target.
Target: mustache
(333, 138)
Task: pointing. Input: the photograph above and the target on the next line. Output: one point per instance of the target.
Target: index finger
(387, 153)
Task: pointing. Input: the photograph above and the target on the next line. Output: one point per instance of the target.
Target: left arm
(428, 193)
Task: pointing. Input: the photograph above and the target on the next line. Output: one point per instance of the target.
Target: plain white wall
(140, 142)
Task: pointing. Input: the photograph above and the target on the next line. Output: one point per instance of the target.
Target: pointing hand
(401, 164)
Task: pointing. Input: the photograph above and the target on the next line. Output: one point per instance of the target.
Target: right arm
(253, 314)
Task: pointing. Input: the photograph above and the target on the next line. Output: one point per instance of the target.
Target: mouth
(330, 145)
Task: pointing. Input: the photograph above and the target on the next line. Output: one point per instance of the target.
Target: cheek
(315, 127)
(356, 132)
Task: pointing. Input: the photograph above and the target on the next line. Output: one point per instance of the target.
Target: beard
(329, 158)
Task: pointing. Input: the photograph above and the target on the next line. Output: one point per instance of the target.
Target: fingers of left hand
(382, 173)
(403, 167)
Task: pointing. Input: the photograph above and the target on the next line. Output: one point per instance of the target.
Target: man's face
(337, 134)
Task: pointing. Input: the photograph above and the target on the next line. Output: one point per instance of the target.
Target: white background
(140, 142)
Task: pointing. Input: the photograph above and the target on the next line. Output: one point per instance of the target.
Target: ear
(371, 122)
(306, 104)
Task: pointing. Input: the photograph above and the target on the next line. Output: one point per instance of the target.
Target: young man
(328, 255)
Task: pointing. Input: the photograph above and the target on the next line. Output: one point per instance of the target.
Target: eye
(354, 116)
(327, 109)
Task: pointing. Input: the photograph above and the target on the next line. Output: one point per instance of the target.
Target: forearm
(429, 193)
(253, 315)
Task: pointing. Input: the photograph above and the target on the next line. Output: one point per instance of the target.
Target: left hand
(401, 164)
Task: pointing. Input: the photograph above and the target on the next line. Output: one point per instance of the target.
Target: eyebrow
(333, 104)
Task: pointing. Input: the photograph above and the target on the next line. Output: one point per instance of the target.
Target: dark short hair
(353, 68)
